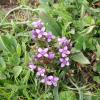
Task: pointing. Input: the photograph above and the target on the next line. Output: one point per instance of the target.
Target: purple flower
(38, 24)
(63, 41)
(64, 51)
(40, 71)
(34, 34)
(32, 67)
(50, 36)
(51, 55)
(42, 53)
(50, 80)
(64, 62)
(41, 33)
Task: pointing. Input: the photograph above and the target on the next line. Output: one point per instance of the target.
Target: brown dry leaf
(97, 4)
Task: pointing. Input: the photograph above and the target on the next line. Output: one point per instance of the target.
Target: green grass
(79, 21)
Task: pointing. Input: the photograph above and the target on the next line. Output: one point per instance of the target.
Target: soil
(14, 2)
(8, 2)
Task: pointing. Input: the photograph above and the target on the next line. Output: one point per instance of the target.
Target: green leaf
(67, 95)
(51, 24)
(44, 1)
(80, 42)
(23, 46)
(17, 70)
(19, 50)
(45, 96)
(88, 20)
(2, 76)
(14, 60)
(80, 58)
(25, 79)
(2, 64)
(98, 67)
(97, 79)
(26, 58)
(98, 49)
(9, 43)
(2, 46)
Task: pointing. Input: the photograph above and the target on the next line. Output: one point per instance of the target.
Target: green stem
(79, 90)
(55, 93)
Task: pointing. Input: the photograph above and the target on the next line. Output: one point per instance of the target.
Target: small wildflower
(51, 55)
(50, 36)
(40, 33)
(40, 71)
(32, 67)
(50, 80)
(42, 53)
(38, 24)
(34, 34)
(64, 62)
(64, 51)
(63, 41)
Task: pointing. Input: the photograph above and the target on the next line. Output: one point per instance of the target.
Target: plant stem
(79, 90)
(55, 93)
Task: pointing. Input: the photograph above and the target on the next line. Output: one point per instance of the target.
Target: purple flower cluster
(41, 71)
(63, 41)
(51, 55)
(50, 37)
(38, 24)
(32, 67)
(40, 33)
(44, 53)
(64, 50)
(50, 80)
(48, 53)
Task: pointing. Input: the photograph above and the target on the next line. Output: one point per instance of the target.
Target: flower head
(32, 67)
(34, 34)
(38, 24)
(64, 51)
(64, 62)
(42, 53)
(50, 36)
(50, 80)
(63, 41)
(40, 71)
(39, 33)
(51, 55)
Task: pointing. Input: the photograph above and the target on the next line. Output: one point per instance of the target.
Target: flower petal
(60, 50)
(50, 77)
(62, 65)
(46, 55)
(39, 50)
(48, 82)
(64, 55)
(39, 55)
